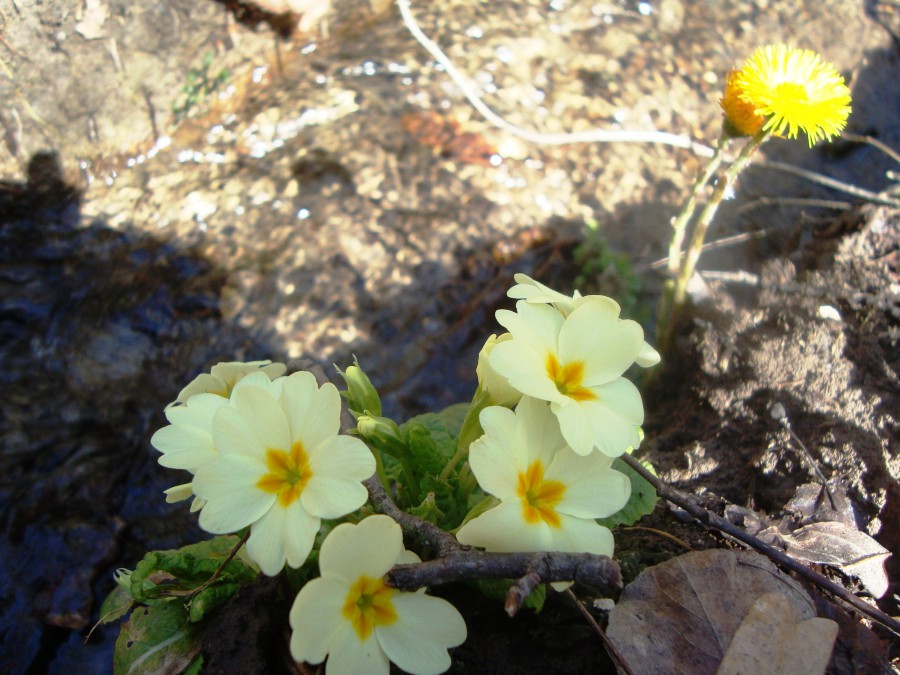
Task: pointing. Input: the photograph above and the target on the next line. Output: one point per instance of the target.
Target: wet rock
(100, 329)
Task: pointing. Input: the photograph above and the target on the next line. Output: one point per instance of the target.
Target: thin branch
(610, 647)
(833, 183)
(887, 150)
(792, 201)
(671, 537)
(591, 136)
(596, 571)
(716, 522)
(215, 575)
(442, 542)
(519, 592)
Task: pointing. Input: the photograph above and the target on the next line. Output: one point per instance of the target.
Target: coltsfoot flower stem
(724, 187)
(679, 230)
(679, 227)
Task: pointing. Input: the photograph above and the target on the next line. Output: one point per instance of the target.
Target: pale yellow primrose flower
(575, 362)
(281, 467)
(223, 376)
(187, 442)
(350, 615)
(535, 292)
(786, 90)
(497, 387)
(548, 495)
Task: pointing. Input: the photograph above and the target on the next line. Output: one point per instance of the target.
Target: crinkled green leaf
(443, 426)
(210, 598)
(496, 589)
(642, 500)
(425, 453)
(432, 440)
(156, 639)
(161, 573)
(116, 605)
(428, 509)
(451, 501)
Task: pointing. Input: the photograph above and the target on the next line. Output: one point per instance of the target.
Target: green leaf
(210, 598)
(425, 453)
(156, 640)
(116, 605)
(642, 500)
(162, 575)
(432, 440)
(537, 598)
(428, 510)
(196, 666)
(496, 589)
(444, 426)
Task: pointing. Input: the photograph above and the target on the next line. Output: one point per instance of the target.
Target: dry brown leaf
(770, 639)
(851, 551)
(680, 616)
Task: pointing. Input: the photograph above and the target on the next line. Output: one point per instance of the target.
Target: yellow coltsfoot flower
(353, 617)
(281, 467)
(786, 90)
(549, 496)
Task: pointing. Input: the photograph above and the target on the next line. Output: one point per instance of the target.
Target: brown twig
(596, 571)
(610, 647)
(715, 521)
(833, 183)
(887, 150)
(660, 533)
(519, 592)
(442, 542)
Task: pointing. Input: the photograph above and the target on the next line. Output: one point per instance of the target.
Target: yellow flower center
(792, 94)
(539, 496)
(289, 473)
(368, 604)
(568, 379)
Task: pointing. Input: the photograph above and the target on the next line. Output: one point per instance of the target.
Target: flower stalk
(723, 187)
(470, 431)
(679, 226)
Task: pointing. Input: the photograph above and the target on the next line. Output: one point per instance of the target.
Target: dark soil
(837, 381)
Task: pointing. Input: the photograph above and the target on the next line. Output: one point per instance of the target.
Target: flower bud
(361, 395)
(123, 578)
(496, 386)
(381, 432)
